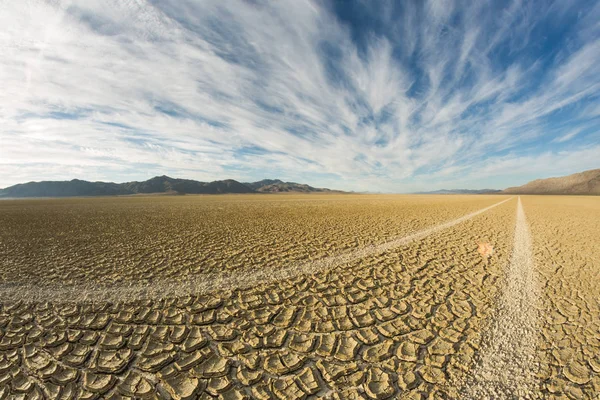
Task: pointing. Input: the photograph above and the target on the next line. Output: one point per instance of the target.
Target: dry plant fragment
(486, 250)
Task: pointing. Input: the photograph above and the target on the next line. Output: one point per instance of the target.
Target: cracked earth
(292, 297)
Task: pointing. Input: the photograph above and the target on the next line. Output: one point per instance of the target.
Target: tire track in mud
(506, 366)
(206, 283)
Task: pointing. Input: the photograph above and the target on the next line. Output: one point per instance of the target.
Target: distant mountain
(278, 186)
(74, 187)
(264, 182)
(165, 184)
(156, 185)
(582, 183)
(462, 191)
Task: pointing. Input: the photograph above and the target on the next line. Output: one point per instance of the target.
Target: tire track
(206, 283)
(506, 365)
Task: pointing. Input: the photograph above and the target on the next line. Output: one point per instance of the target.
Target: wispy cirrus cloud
(366, 96)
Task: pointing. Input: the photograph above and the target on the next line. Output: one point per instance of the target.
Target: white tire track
(506, 365)
(206, 283)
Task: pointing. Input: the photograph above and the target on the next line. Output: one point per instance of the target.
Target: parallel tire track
(506, 366)
(206, 283)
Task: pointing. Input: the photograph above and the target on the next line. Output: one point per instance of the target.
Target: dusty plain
(566, 234)
(359, 313)
(141, 239)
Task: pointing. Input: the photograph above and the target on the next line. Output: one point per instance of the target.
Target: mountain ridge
(581, 183)
(265, 182)
(156, 185)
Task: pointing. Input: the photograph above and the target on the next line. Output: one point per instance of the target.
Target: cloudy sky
(393, 96)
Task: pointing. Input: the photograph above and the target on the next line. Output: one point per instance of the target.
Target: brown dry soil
(133, 239)
(409, 322)
(566, 236)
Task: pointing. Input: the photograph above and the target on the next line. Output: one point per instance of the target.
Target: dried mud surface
(566, 236)
(408, 311)
(212, 281)
(142, 239)
(406, 323)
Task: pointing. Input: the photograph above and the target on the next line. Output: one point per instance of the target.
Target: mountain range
(157, 185)
(582, 183)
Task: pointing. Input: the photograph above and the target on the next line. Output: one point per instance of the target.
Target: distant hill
(74, 187)
(165, 184)
(582, 183)
(462, 191)
(264, 182)
(278, 186)
(156, 185)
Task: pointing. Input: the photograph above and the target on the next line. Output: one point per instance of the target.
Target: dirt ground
(369, 297)
(566, 235)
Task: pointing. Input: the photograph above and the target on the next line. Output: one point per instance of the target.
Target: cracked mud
(413, 320)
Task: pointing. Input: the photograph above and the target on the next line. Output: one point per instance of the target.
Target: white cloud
(568, 136)
(120, 90)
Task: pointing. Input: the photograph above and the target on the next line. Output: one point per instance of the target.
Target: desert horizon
(581, 183)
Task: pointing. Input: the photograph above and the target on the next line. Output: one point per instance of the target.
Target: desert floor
(296, 296)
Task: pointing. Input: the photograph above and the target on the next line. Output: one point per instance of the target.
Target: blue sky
(369, 96)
